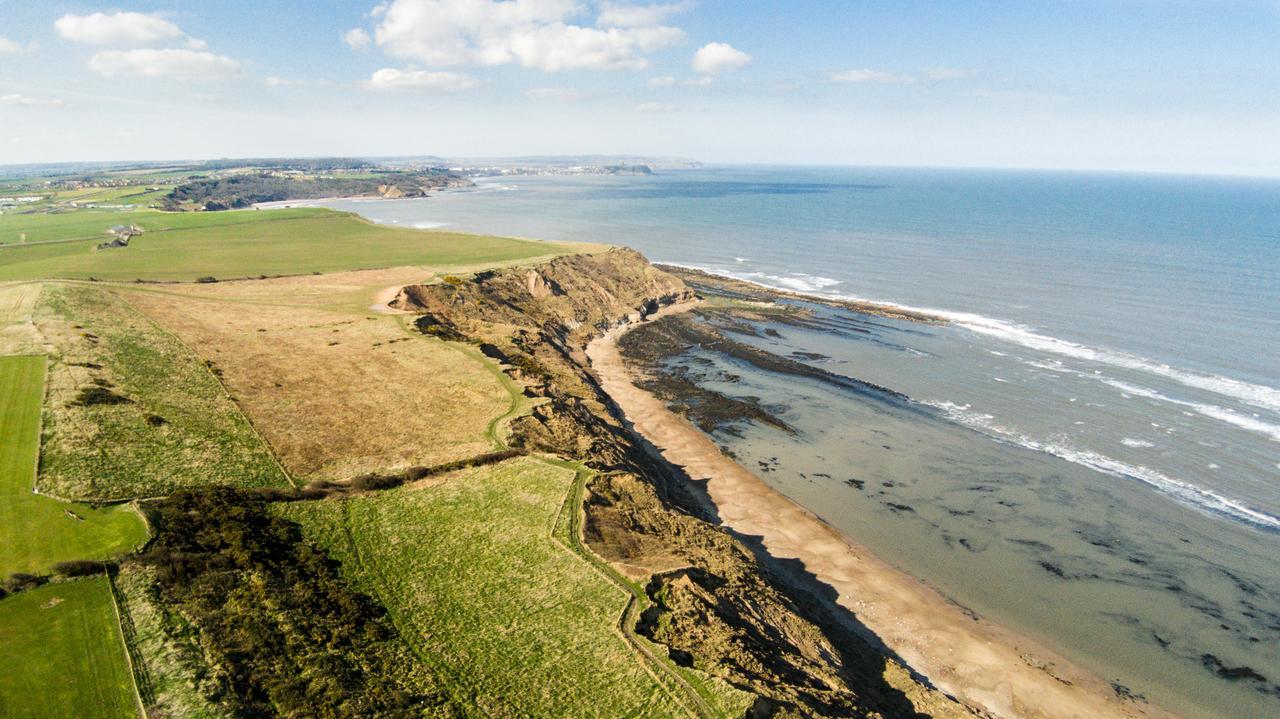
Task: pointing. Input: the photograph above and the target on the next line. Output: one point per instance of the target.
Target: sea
(1091, 451)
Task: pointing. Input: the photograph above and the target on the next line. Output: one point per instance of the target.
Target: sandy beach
(985, 666)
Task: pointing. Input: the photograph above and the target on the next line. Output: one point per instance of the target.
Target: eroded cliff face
(718, 602)
(572, 297)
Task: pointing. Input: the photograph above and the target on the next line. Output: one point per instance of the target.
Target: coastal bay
(983, 665)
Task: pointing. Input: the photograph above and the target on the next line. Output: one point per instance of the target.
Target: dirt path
(985, 666)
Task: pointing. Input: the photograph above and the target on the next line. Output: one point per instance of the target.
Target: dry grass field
(130, 411)
(336, 388)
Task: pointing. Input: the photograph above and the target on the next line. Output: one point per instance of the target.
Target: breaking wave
(1255, 394)
(1180, 490)
(1222, 414)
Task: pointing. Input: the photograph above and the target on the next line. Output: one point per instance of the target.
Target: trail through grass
(63, 654)
(35, 531)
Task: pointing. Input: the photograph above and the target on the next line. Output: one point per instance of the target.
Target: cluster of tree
(243, 190)
(288, 635)
(301, 164)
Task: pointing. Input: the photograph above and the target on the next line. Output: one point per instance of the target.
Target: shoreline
(866, 307)
(987, 667)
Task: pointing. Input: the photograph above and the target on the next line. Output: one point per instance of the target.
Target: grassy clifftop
(225, 245)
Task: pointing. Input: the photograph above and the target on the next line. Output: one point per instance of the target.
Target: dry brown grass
(17, 305)
(336, 389)
(173, 425)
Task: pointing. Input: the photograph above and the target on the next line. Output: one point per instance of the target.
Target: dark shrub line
(22, 581)
(322, 488)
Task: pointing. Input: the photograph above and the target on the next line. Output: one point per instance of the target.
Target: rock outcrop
(718, 603)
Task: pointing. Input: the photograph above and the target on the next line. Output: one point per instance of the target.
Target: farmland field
(36, 531)
(162, 420)
(335, 389)
(472, 576)
(63, 654)
(247, 243)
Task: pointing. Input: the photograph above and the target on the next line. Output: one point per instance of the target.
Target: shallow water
(1093, 448)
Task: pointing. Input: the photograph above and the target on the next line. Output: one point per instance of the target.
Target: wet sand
(985, 666)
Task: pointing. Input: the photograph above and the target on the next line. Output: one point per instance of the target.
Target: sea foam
(1178, 489)
(1221, 414)
(1257, 395)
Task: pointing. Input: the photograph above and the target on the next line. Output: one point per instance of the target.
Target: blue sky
(1145, 85)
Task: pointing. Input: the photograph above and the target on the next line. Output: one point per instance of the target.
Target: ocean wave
(1136, 443)
(1222, 414)
(1050, 366)
(1257, 395)
(1254, 394)
(792, 282)
(1177, 489)
(429, 225)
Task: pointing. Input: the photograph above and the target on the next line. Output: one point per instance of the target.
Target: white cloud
(25, 101)
(171, 63)
(10, 47)
(552, 93)
(662, 81)
(119, 28)
(356, 38)
(532, 33)
(196, 44)
(655, 107)
(718, 57)
(869, 77)
(389, 78)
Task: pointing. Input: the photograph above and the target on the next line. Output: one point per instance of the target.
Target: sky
(1123, 85)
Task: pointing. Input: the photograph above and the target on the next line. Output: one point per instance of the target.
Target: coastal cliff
(717, 601)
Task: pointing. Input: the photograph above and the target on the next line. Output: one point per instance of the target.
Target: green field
(178, 427)
(63, 654)
(247, 243)
(37, 532)
(513, 620)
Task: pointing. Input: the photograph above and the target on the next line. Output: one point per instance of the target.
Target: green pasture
(63, 654)
(513, 621)
(246, 243)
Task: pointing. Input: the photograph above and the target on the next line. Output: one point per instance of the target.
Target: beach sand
(985, 666)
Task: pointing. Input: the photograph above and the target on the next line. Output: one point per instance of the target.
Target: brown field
(336, 388)
(172, 424)
(17, 305)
